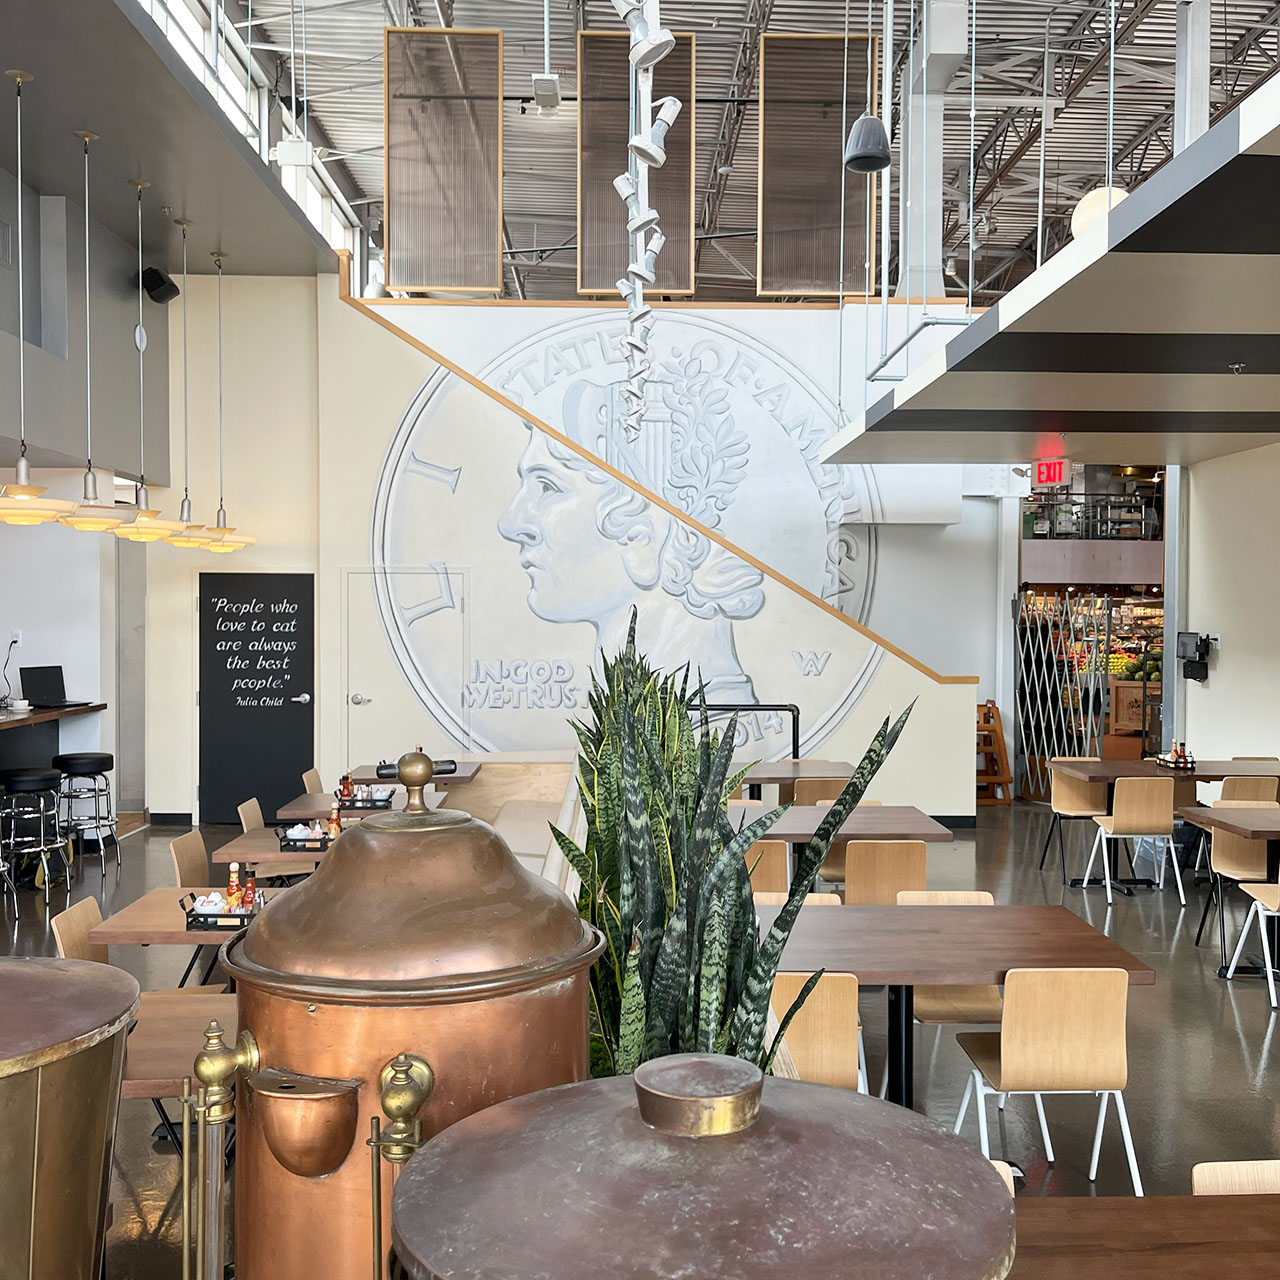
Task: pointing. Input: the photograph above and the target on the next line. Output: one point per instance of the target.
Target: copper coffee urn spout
(420, 975)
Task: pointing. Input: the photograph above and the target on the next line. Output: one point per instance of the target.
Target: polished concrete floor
(1202, 1083)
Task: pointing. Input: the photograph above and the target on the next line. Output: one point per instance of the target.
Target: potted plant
(665, 877)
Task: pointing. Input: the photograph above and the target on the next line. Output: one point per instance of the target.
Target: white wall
(59, 591)
(271, 470)
(1233, 590)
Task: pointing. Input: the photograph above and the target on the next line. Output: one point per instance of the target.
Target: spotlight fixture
(546, 92)
(867, 150)
(951, 268)
(648, 145)
(650, 40)
(91, 516)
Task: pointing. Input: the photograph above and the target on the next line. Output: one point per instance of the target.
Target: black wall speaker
(159, 285)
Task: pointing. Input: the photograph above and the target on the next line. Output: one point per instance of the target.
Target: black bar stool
(85, 782)
(29, 823)
(6, 870)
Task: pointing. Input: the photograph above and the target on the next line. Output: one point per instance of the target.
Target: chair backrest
(1074, 795)
(876, 871)
(1238, 857)
(71, 932)
(311, 783)
(1250, 788)
(945, 898)
(818, 790)
(810, 900)
(1236, 1178)
(823, 1036)
(1143, 807)
(1064, 1029)
(190, 861)
(767, 862)
(250, 815)
(1005, 1170)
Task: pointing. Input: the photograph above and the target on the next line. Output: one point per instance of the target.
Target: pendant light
(187, 534)
(222, 537)
(18, 504)
(867, 150)
(90, 516)
(146, 526)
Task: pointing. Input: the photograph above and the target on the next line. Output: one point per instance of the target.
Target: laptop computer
(44, 689)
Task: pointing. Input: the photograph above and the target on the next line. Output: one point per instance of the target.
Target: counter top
(17, 719)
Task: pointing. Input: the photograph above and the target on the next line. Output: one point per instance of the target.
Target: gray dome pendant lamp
(867, 150)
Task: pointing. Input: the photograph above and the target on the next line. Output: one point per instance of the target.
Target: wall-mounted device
(1193, 650)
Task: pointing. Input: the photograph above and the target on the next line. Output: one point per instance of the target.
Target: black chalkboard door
(257, 690)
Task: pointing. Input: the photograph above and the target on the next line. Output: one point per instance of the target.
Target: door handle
(303, 698)
(358, 699)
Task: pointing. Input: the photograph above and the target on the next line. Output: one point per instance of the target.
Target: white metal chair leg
(1044, 1128)
(1128, 1144)
(1106, 866)
(1093, 853)
(964, 1103)
(1266, 954)
(862, 1063)
(1254, 910)
(1001, 1099)
(1199, 854)
(980, 1097)
(1097, 1135)
(1170, 851)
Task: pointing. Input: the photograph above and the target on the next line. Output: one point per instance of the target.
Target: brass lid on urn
(415, 905)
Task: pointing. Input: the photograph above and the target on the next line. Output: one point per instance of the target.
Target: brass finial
(415, 771)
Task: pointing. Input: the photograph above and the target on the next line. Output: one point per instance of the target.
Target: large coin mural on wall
(554, 552)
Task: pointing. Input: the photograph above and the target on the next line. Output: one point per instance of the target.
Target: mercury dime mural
(555, 551)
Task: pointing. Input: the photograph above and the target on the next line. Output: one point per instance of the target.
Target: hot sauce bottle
(335, 823)
(235, 894)
(250, 892)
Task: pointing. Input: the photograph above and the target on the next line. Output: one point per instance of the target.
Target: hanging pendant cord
(142, 339)
(22, 307)
(221, 504)
(186, 421)
(88, 357)
(844, 135)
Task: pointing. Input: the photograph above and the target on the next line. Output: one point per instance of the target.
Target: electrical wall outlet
(15, 637)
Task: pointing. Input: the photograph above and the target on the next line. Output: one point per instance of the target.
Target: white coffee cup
(19, 704)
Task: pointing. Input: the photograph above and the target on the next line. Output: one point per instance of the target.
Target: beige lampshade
(32, 511)
(89, 518)
(149, 529)
(188, 535)
(235, 542)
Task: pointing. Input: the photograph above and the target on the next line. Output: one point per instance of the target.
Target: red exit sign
(1051, 472)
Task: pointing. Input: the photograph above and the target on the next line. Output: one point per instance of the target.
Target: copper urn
(420, 975)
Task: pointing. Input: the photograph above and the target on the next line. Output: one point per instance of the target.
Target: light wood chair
(1250, 789)
(825, 1036)
(818, 790)
(810, 900)
(190, 861)
(769, 867)
(1005, 1170)
(1236, 1178)
(1063, 1031)
(1264, 907)
(954, 1006)
(876, 871)
(168, 1031)
(311, 783)
(1143, 809)
(1233, 859)
(1072, 799)
(250, 815)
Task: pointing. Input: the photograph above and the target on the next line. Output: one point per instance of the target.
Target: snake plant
(665, 876)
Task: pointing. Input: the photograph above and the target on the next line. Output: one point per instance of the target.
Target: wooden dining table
(874, 822)
(1142, 1238)
(1251, 824)
(1109, 771)
(157, 919)
(905, 947)
(313, 805)
(788, 772)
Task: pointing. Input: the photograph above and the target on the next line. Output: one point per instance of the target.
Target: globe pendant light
(188, 535)
(221, 537)
(18, 504)
(146, 526)
(90, 516)
(867, 150)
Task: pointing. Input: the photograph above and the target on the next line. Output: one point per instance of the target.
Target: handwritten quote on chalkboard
(258, 641)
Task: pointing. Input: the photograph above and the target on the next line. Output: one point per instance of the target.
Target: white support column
(1192, 73)
(1173, 705)
(942, 47)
